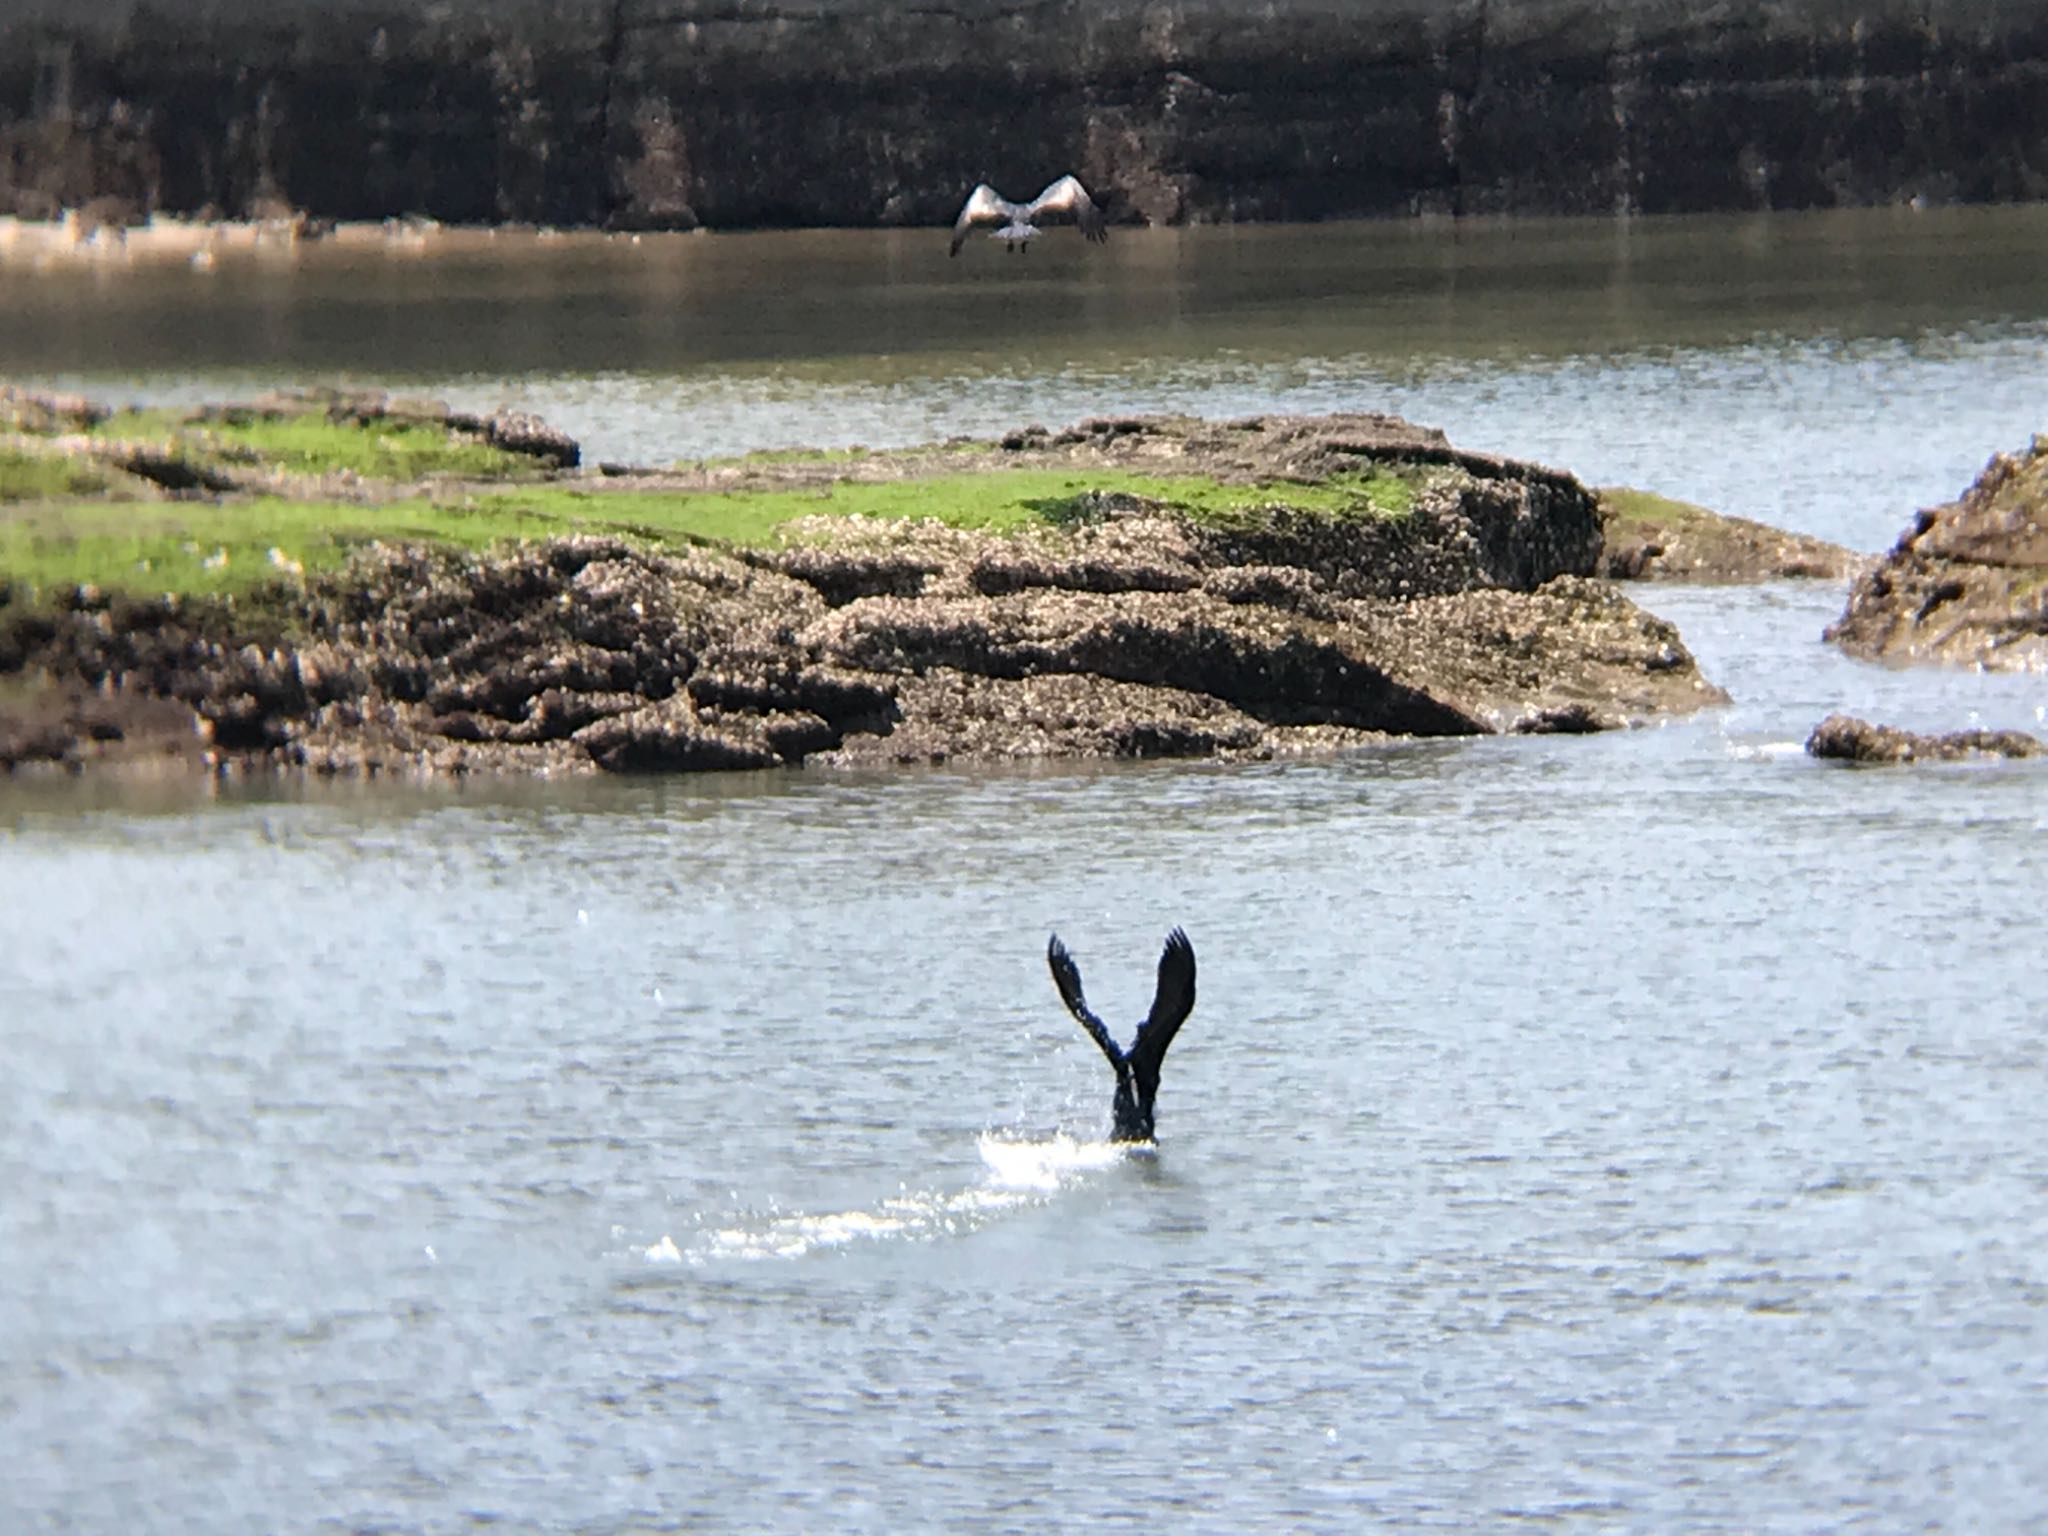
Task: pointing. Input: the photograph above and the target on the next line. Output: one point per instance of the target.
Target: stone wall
(735, 113)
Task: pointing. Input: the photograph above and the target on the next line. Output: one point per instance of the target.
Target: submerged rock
(1848, 739)
(1967, 583)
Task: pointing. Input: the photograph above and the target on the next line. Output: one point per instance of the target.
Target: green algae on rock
(301, 444)
(234, 520)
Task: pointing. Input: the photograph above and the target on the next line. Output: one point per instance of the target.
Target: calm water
(1827, 372)
(1628, 1132)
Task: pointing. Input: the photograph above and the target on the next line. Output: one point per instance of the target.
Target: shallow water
(1638, 1131)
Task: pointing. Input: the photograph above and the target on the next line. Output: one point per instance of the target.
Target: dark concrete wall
(652, 113)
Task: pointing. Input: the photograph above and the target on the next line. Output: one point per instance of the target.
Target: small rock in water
(1844, 738)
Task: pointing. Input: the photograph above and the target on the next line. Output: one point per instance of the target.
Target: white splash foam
(1019, 1174)
(1764, 751)
(1046, 1164)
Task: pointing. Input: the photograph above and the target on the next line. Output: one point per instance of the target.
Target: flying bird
(1137, 1070)
(1064, 199)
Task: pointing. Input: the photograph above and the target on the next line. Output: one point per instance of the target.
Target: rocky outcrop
(1124, 639)
(1844, 738)
(1653, 538)
(1187, 588)
(520, 432)
(1967, 584)
(39, 412)
(737, 113)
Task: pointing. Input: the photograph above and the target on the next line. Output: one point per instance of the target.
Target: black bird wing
(983, 206)
(1068, 198)
(1171, 1004)
(1067, 977)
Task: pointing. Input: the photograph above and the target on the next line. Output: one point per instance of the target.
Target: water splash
(1018, 1164)
(1764, 751)
(1016, 1173)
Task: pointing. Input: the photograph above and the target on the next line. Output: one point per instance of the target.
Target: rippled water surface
(1638, 1131)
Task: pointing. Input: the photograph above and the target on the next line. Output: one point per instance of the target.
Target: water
(1827, 372)
(1638, 1131)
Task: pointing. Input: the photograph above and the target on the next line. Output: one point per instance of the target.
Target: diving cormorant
(1137, 1070)
(1065, 198)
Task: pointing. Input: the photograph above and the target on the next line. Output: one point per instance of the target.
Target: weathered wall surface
(666, 113)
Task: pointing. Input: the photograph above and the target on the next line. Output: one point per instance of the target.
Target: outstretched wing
(1171, 1004)
(982, 207)
(1069, 198)
(1067, 977)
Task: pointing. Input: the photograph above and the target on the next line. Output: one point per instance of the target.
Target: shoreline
(79, 238)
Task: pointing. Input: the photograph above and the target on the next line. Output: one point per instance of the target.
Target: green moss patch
(1628, 508)
(47, 477)
(1000, 502)
(198, 548)
(1219, 505)
(148, 426)
(312, 444)
(381, 450)
(798, 457)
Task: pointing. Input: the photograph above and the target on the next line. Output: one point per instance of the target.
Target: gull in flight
(1064, 199)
